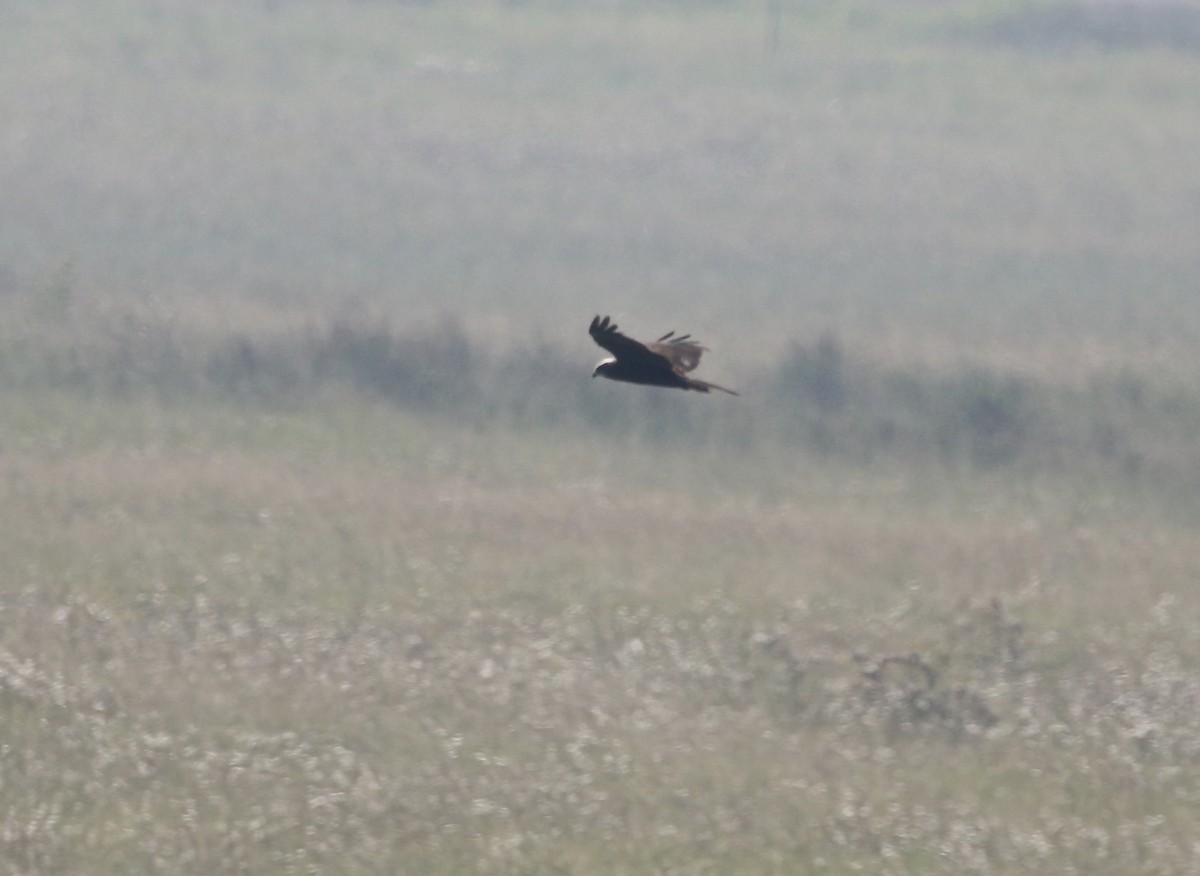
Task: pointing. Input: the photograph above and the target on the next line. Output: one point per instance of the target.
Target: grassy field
(345, 639)
(323, 555)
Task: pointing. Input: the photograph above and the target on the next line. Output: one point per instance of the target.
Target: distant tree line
(819, 397)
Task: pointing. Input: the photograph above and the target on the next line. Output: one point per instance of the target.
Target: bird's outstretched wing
(682, 352)
(604, 332)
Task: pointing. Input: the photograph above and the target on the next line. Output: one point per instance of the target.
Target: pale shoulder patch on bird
(665, 362)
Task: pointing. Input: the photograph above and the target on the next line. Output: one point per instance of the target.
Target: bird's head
(603, 366)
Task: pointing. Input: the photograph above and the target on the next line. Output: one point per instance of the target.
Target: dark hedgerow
(1109, 24)
(989, 417)
(433, 369)
(818, 398)
(815, 376)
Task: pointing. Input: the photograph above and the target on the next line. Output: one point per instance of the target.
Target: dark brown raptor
(665, 362)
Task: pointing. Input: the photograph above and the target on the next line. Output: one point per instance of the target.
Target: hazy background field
(323, 554)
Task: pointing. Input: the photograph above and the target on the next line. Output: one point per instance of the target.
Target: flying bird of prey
(665, 362)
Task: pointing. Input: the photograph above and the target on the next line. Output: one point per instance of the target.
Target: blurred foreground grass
(351, 638)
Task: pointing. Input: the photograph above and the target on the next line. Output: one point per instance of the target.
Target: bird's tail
(705, 386)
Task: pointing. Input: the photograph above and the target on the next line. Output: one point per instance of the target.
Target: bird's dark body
(622, 371)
